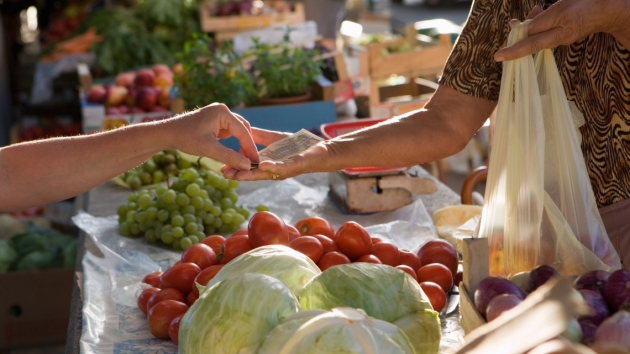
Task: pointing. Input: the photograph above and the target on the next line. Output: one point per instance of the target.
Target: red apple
(112, 111)
(164, 80)
(164, 98)
(158, 109)
(123, 109)
(125, 79)
(115, 96)
(146, 98)
(144, 78)
(135, 110)
(97, 94)
(159, 69)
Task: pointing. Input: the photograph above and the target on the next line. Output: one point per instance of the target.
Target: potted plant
(283, 73)
(213, 75)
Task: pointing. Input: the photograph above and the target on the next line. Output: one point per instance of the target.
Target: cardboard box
(236, 24)
(35, 307)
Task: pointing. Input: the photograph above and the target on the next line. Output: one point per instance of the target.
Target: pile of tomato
(172, 292)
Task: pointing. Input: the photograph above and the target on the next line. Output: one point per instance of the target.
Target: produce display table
(103, 201)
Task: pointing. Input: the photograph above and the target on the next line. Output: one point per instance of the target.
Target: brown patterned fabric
(595, 72)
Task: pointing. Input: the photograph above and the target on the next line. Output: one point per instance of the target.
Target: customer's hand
(198, 133)
(568, 21)
(278, 170)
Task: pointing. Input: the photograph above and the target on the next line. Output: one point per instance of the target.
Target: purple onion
(500, 304)
(588, 332)
(593, 280)
(491, 287)
(540, 275)
(615, 330)
(617, 290)
(597, 307)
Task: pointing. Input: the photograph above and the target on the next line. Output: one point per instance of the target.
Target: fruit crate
(228, 26)
(476, 267)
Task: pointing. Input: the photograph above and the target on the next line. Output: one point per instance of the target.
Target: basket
(332, 130)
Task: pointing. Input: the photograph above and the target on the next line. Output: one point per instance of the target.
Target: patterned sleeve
(470, 68)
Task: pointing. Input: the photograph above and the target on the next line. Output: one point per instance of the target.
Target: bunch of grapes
(155, 170)
(199, 203)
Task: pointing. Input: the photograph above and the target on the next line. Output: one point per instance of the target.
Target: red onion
(540, 275)
(491, 287)
(593, 280)
(588, 332)
(500, 304)
(597, 306)
(617, 290)
(615, 329)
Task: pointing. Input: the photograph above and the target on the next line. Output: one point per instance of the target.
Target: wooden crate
(476, 268)
(227, 27)
(394, 100)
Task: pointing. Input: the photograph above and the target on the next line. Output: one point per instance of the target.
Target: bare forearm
(49, 170)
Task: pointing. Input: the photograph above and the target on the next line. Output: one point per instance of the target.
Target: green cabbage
(281, 262)
(383, 292)
(7, 255)
(423, 329)
(342, 330)
(235, 315)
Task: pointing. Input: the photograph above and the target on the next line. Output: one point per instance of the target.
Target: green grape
(132, 206)
(122, 219)
(217, 223)
(233, 183)
(192, 189)
(210, 230)
(199, 221)
(135, 229)
(189, 210)
(185, 242)
(149, 235)
(178, 232)
(238, 219)
(183, 163)
(189, 218)
(224, 184)
(158, 228)
(150, 165)
(153, 204)
(210, 189)
(203, 194)
(230, 211)
(232, 195)
(123, 229)
(209, 219)
(134, 182)
(201, 214)
(207, 205)
(244, 212)
(179, 185)
(194, 239)
(169, 157)
(163, 215)
(143, 201)
(143, 226)
(144, 191)
(160, 190)
(158, 176)
(131, 215)
(122, 210)
(157, 158)
(197, 202)
(200, 182)
(172, 207)
(176, 244)
(218, 195)
(213, 179)
(141, 216)
(224, 229)
(191, 228)
(226, 218)
(132, 197)
(167, 228)
(234, 227)
(170, 196)
(215, 210)
(160, 203)
(226, 203)
(182, 200)
(262, 208)
(177, 220)
(152, 213)
(146, 178)
(190, 174)
(167, 238)
(174, 213)
(200, 235)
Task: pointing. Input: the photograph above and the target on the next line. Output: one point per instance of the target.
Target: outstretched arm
(45, 171)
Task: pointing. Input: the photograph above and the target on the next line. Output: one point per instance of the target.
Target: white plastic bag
(539, 203)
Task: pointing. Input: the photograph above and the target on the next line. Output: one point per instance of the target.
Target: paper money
(289, 146)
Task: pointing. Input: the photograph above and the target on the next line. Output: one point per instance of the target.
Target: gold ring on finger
(274, 176)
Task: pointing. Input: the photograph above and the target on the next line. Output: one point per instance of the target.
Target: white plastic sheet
(113, 324)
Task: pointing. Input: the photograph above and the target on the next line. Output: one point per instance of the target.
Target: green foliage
(283, 70)
(213, 75)
(172, 22)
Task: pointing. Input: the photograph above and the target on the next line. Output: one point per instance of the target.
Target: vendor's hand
(198, 133)
(568, 21)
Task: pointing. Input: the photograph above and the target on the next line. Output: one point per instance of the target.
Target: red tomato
(353, 240)
(328, 243)
(308, 245)
(439, 251)
(266, 228)
(375, 240)
(180, 276)
(436, 273)
(407, 269)
(437, 296)
(200, 254)
(191, 298)
(161, 316)
(369, 258)
(458, 278)
(235, 246)
(293, 232)
(152, 279)
(176, 263)
(204, 277)
(163, 295)
(240, 232)
(314, 225)
(332, 259)
(144, 297)
(409, 258)
(387, 252)
(173, 328)
(215, 242)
